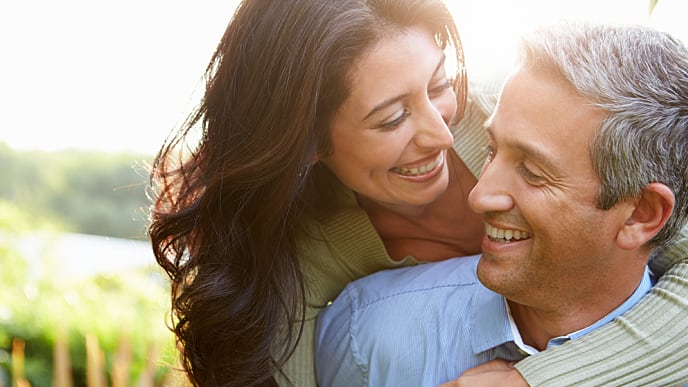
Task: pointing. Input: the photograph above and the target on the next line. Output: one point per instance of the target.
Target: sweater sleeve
(646, 346)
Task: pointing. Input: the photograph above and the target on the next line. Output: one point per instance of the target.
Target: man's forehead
(541, 114)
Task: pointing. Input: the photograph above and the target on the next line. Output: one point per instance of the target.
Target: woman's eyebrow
(394, 99)
(384, 104)
(439, 65)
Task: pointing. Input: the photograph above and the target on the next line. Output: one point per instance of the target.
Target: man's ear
(649, 214)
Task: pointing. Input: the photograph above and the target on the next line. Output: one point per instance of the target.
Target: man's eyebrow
(395, 99)
(534, 153)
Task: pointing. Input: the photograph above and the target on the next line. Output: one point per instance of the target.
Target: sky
(102, 75)
(118, 76)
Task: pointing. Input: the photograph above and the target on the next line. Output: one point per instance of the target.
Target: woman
(308, 165)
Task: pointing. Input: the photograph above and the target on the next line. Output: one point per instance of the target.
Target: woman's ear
(649, 214)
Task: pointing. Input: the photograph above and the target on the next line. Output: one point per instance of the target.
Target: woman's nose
(433, 131)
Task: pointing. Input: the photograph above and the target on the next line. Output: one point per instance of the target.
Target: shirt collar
(492, 325)
(489, 320)
(642, 289)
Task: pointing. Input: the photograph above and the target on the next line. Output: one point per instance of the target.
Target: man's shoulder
(447, 274)
(374, 330)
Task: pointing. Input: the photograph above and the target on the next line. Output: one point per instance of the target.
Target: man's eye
(395, 123)
(529, 175)
(490, 152)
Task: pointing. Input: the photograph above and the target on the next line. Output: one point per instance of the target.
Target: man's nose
(492, 193)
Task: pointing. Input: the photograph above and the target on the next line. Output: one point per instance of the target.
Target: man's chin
(495, 273)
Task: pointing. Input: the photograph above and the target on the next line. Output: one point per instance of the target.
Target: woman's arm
(646, 346)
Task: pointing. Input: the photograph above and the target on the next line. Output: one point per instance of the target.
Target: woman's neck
(442, 229)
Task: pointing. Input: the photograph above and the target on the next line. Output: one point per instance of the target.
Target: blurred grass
(40, 308)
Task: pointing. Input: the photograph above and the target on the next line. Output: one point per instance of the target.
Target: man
(587, 173)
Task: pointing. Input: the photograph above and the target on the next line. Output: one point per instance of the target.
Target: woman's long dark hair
(233, 184)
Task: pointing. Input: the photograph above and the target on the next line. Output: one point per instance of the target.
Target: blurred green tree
(84, 192)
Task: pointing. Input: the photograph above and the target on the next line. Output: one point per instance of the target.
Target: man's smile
(505, 235)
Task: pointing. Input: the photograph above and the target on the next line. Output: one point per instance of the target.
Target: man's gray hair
(640, 77)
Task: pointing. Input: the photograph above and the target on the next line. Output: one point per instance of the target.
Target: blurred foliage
(38, 306)
(84, 192)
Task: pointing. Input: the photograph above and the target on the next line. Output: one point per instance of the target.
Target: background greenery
(43, 193)
(85, 192)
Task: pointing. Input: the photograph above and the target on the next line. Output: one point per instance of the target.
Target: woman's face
(390, 136)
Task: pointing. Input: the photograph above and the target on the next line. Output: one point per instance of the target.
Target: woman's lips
(422, 169)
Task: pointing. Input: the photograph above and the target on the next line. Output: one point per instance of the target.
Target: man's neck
(537, 326)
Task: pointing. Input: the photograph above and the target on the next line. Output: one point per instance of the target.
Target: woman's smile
(421, 170)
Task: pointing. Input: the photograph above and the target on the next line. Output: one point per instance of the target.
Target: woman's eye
(395, 123)
(440, 88)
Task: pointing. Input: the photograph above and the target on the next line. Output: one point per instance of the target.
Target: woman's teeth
(500, 235)
(419, 170)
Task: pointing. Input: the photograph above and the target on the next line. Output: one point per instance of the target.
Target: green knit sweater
(647, 345)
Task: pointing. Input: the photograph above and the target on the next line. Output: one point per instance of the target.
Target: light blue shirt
(422, 326)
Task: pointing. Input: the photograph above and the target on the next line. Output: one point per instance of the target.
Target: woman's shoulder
(341, 249)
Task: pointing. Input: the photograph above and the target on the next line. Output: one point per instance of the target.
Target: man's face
(546, 239)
